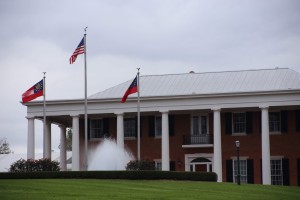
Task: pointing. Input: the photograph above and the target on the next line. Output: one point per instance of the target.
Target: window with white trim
(274, 121)
(158, 165)
(276, 172)
(243, 170)
(129, 127)
(96, 129)
(199, 124)
(158, 126)
(239, 122)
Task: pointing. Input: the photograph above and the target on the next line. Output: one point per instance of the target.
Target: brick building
(190, 122)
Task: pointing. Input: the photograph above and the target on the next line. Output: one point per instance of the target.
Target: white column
(63, 152)
(217, 144)
(265, 146)
(47, 141)
(30, 138)
(120, 130)
(75, 143)
(165, 154)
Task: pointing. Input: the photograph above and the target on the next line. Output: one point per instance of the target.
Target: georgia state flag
(35, 91)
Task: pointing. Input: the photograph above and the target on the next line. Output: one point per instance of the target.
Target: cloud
(160, 37)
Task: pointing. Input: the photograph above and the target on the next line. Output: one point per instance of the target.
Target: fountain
(109, 156)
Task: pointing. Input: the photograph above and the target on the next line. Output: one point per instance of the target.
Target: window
(276, 172)
(199, 124)
(96, 128)
(274, 122)
(157, 126)
(158, 165)
(243, 170)
(196, 125)
(239, 122)
(129, 127)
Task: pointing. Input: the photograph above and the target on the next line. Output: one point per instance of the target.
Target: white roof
(277, 79)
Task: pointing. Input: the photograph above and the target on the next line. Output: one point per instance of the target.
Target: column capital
(119, 113)
(216, 109)
(264, 107)
(30, 117)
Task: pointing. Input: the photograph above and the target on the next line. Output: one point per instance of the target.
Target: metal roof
(261, 80)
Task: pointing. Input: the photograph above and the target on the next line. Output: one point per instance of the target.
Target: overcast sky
(159, 36)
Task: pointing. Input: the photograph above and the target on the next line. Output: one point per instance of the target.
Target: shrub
(136, 165)
(34, 165)
(131, 175)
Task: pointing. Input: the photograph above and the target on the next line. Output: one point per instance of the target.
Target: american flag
(78, 50)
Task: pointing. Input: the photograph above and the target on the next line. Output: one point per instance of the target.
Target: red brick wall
(286, 144)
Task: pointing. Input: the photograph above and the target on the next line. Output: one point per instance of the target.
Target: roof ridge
(217, 72)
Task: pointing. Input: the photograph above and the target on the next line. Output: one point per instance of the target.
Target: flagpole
(44, 114)
(85, 104)
(138, 113)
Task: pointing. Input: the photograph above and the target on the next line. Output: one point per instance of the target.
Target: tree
(4, 146)
(68, 140)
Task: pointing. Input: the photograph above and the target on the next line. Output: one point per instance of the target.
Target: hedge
(131, 175)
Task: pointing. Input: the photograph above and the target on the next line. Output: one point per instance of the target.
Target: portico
(166, 118)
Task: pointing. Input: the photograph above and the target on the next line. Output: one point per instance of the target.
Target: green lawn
(139, 189)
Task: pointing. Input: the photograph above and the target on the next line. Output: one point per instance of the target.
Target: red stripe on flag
(79, 50)
(35, 91)
(132, 89)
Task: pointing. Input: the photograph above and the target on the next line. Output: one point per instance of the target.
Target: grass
(139, 189)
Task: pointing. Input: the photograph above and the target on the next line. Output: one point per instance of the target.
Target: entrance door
(201, 165)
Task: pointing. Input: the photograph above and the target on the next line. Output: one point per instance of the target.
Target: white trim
(158, 161)
(232, 125)
(155, 134)
(90, 128)
(199, 115)
(190, 157)
(275, 132)
(233, 174)
(129, 137)
(185, 102)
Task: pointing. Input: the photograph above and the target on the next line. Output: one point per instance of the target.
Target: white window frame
(189, 157)
(271, 123)
(243, 170)
(130, 135)
(157, 127)
(101, 134)
(199, 116)
(276, 171)
(158, 164)
(238, 132)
